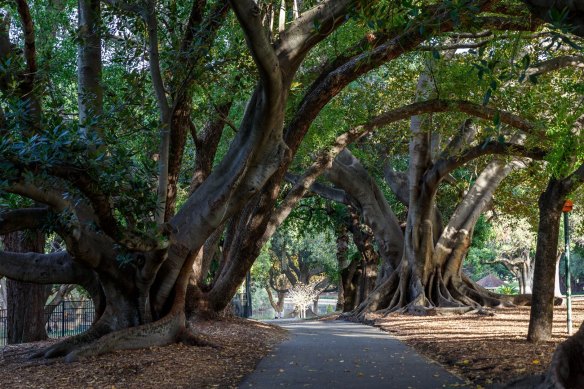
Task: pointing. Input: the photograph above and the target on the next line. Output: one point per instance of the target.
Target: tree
(550, 208)
(302, 296)
(515, 241)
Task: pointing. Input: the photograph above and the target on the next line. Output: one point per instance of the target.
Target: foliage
(510, 289)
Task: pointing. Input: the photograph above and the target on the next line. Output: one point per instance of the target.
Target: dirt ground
(242, 344)
(482, 349)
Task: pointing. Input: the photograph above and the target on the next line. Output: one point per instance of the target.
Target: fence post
(62, 319)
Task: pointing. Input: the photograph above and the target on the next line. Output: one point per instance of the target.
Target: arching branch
(576, 61)
(55, 268)
(445, 166)
(324, 191)
(22, 219)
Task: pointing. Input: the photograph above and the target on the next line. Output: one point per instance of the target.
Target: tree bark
(90, 91)
(25, 301)
(342, 262)
(542, 307)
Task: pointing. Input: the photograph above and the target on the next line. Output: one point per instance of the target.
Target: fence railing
(64, 319)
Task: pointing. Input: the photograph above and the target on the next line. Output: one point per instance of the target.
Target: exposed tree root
(454, 294)
(188, 337)
(159, 333)
(68, 345)
(100, 339)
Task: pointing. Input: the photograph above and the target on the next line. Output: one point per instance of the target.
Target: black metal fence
(64, 319)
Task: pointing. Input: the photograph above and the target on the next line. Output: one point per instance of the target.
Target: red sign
(568, 205)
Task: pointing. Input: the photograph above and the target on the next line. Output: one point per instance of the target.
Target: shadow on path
(337, 354)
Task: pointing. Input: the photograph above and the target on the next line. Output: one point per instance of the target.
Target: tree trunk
(567, 367)
(542, 306)
(369, 259)
(342, 261)
(348, 174)
(278, 304)
(90, 91)
(25, 301)
(350, 277)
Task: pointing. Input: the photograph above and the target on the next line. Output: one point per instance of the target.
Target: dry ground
(482, 349)
(242, 344)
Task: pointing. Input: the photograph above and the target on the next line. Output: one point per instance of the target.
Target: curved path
(338, 354)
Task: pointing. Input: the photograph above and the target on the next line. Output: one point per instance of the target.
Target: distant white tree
(302, 296)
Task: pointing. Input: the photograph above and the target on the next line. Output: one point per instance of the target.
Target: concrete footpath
(338, 354)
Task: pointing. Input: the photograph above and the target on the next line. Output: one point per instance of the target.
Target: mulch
(482, 349)
(241, 344)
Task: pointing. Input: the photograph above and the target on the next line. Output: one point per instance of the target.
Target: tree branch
(445, 166)
(29, 41)
(455, 46)
(22, 219)
(302, 35)
(323, 161)
(248, 14)
(465, 136)
(324, 191)
(398, 182)
(41, 195)
(55, 268)
(553, 64)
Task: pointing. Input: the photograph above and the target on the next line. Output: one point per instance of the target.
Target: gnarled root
(403, 292)
(66, 346)
(159, 333)
(101, 339)
(187, 336)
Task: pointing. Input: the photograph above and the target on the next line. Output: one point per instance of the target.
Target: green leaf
(487, 97)
(494, 85)
(525, 61)
(533, 79)
(497, 119)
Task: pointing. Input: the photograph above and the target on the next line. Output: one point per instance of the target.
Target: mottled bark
(350, 277)
(363, 239)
